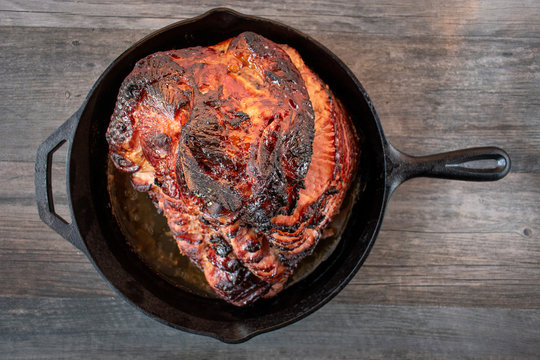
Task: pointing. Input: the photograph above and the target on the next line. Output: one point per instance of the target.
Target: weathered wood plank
(109, 328)
(432, 205)
(42, 88)
(423, 88)
(449, 270)
(449, 18)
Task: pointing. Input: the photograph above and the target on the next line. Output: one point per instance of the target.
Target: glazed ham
(245, 151)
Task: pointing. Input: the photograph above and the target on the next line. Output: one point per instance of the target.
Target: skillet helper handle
(43, 182)
(473, 164)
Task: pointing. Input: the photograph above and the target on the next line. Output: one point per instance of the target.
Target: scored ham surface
(245, 151)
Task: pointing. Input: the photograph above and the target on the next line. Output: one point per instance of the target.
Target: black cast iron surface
(94, 229)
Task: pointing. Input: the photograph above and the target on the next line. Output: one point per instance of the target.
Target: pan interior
(149, 236)
(194, 309)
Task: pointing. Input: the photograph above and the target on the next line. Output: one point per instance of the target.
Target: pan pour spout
(245, 150)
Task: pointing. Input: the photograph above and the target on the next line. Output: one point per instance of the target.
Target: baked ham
(245, 151)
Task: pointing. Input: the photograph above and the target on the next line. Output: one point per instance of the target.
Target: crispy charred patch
(261, 177)
(245, 150)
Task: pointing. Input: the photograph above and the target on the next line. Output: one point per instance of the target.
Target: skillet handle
(474, 164)
(43, 182)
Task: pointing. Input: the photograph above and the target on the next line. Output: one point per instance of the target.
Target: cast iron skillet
(95, 232)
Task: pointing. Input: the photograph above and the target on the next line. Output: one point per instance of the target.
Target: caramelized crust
(244, 149)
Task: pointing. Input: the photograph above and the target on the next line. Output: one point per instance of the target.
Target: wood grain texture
(77, 325)
(454, 18)
(455, 271)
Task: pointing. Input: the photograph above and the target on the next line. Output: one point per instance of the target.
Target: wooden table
(455, 272)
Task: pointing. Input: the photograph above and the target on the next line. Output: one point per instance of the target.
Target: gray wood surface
(455, 272)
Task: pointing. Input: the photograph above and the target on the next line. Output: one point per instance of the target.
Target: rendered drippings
(149, 236)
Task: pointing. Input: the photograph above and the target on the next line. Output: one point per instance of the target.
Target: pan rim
(241, 333)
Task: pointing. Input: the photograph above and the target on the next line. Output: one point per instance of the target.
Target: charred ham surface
(245, 151)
